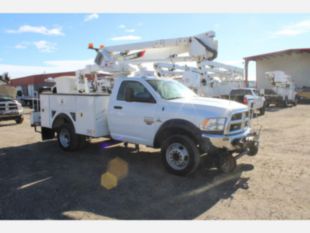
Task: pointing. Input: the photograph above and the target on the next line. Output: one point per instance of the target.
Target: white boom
(209, 78)
(199, 50)
(126, 60)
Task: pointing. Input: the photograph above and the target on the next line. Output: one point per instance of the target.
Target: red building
(29, 84)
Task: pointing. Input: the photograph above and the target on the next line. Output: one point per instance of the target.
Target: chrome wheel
(177, 156)
(64, 137)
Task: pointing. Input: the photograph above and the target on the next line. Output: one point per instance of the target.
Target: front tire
(180, 155)
(262, 110)
(68, 140)
(253, 148)
(19, 120)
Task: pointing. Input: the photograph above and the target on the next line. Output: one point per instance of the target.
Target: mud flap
(47, 133)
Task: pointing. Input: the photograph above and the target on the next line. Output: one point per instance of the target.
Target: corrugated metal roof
(277, 53)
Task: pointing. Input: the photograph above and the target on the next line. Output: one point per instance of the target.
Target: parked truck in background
(250, 97)
(283, 85)
(272, 98)
(30, 101)
(10, 109)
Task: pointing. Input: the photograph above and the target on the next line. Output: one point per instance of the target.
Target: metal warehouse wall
(296, 64)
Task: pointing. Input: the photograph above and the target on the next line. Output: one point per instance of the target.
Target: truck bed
(88, 112)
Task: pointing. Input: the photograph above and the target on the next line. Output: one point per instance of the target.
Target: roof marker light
(91, 46)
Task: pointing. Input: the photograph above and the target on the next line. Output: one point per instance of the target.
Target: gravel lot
(39, 181)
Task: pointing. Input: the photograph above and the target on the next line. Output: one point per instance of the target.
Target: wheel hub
(64, 137)
(177, 156)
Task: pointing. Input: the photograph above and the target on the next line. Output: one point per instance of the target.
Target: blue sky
(36, 43)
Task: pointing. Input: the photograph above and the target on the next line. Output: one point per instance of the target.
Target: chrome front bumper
(231, 142)
(10, 114)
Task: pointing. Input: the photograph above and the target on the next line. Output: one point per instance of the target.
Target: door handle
(118, 107)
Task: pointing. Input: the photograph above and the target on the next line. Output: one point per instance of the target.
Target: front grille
(235, 127)
(238, 122)
(2, 107)
(12, 106)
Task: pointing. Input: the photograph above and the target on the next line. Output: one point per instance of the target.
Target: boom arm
(117, 59)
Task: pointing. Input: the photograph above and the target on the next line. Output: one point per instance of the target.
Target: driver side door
(133, 114)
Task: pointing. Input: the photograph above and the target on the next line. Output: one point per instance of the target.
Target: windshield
(171, 89)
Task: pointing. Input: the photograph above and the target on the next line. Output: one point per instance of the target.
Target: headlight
(214, 125)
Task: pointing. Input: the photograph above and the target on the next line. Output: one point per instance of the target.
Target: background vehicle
(249, 97)
(303, 95)
(10, 109)
(31, 101)
(283, 85)
(156, 112)
(271, 97)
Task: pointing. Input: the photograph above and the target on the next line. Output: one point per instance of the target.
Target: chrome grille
(12, 106)
(238, 122)
(2, 107)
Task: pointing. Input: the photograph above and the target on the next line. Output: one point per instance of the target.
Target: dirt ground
(39, 181)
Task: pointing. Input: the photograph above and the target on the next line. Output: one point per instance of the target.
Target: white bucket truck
(156, 112)
(283, 85)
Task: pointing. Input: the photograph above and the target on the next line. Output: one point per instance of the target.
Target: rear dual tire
(68, 140)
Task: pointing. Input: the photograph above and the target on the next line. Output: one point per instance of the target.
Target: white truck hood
(210, 106)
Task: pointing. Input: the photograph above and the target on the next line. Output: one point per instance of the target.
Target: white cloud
(127, 37)
(45, 46)
(295, 29)
(126, 29)
(91, 17)
(130, 30)
(22, 45)
(55, 31)
(16, 71)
